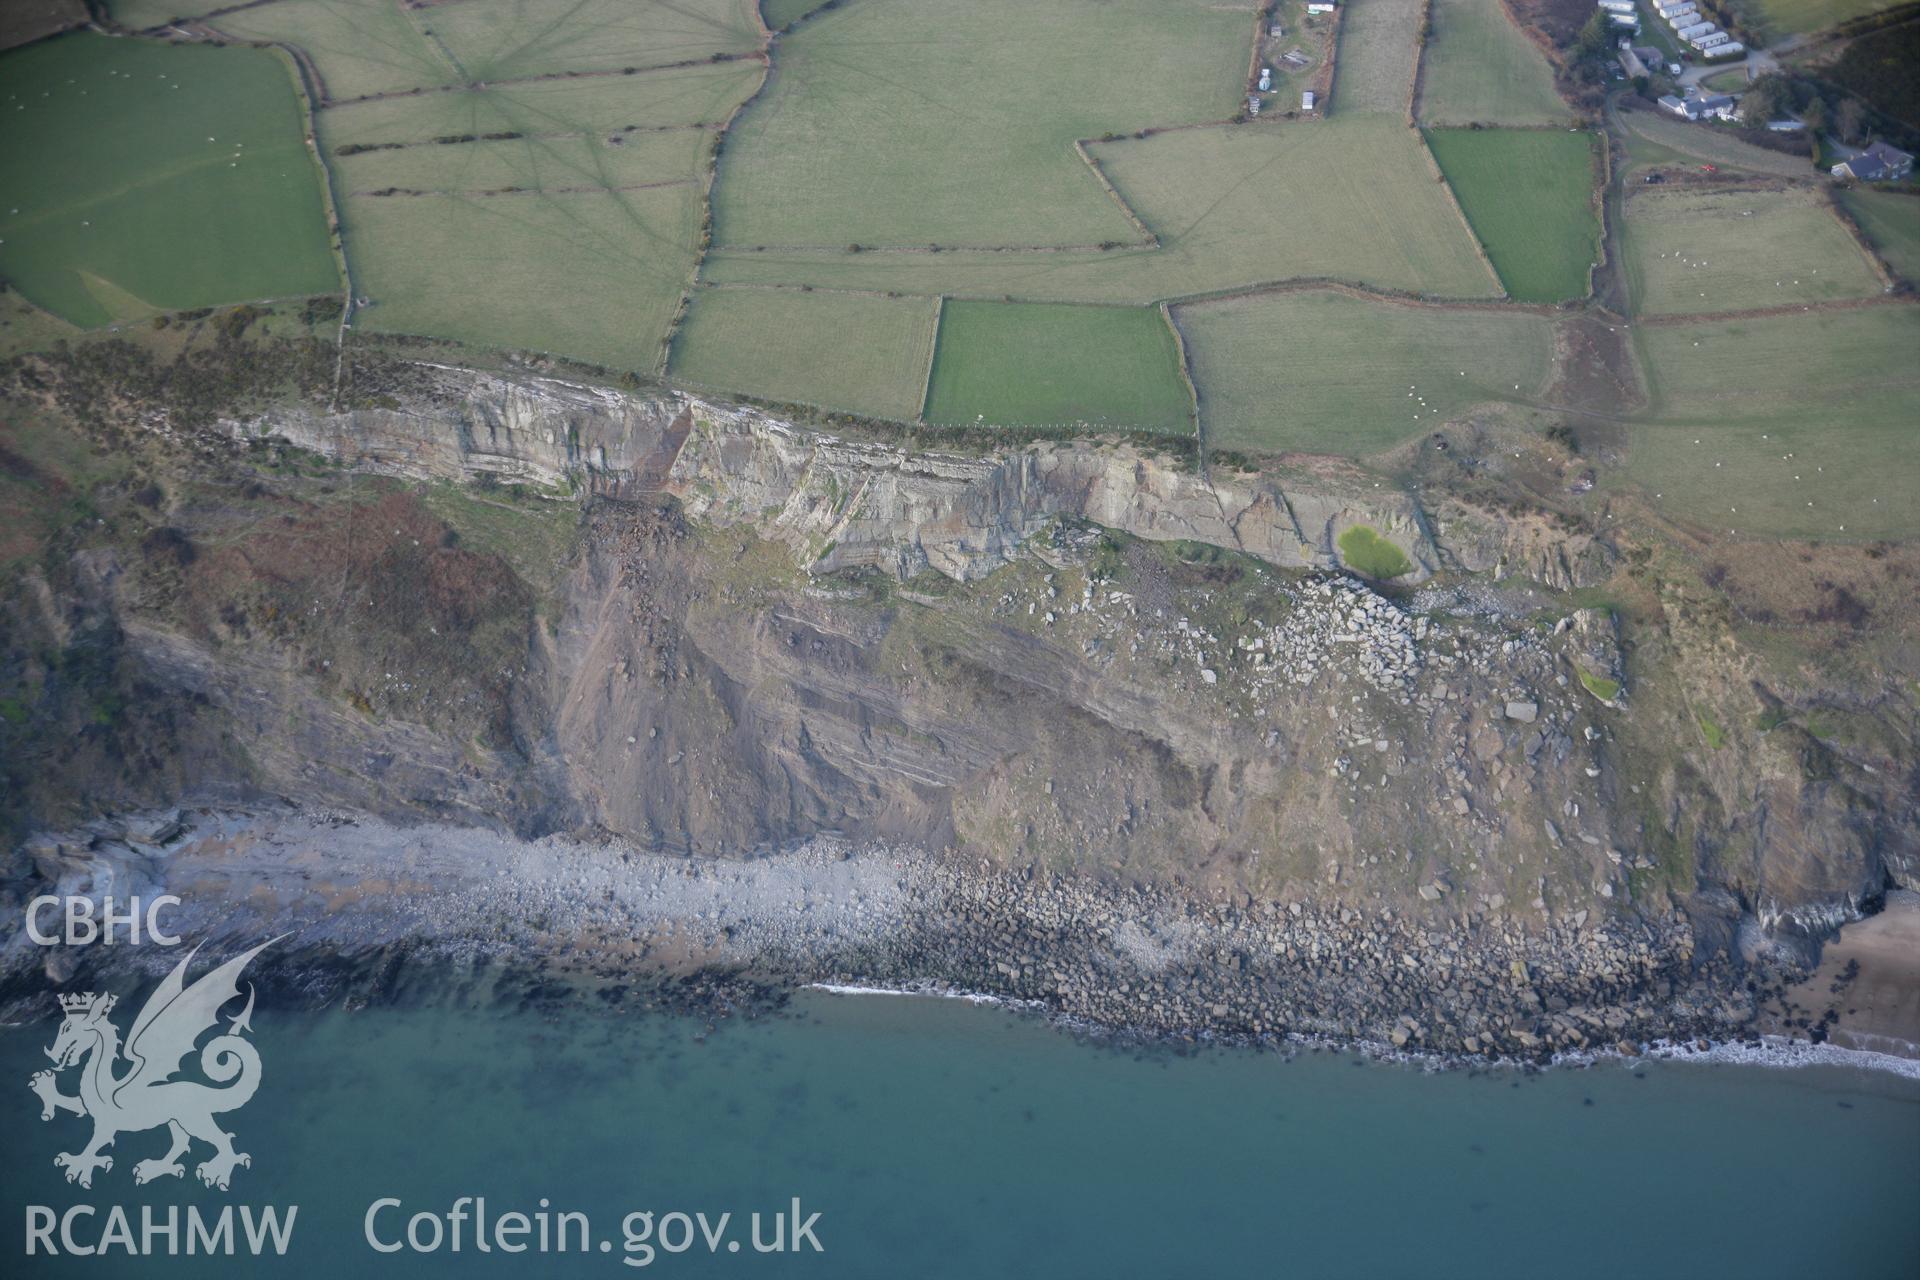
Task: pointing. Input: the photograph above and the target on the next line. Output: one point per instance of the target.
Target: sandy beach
(1877, 1004)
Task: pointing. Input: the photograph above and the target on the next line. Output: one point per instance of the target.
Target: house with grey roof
(1878, 163)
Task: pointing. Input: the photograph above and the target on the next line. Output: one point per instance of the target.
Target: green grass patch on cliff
(1600, 687)
(1029, 364)
(535, 533)
(142, 178)
(1327, 372)
(1528, 194)
(1367, 552)
(861, 353)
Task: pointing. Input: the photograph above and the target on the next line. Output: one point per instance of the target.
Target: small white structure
(1697, 30)
(1730, 49)
(1320, 6)
(1709, 41)
(1677, 16)
(1625, 21)
(1618, 6)
(1266, 79)
(1306, 100)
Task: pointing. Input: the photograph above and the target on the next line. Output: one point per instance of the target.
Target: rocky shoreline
(376, 908)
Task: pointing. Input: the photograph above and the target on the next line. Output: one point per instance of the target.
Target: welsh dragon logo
(145, 1095)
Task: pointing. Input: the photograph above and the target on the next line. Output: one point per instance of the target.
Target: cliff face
(1078, 657)
(844, 504)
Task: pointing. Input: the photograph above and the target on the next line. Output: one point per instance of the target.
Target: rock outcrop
(840, 502)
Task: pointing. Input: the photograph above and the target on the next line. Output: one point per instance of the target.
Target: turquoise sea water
(941, 1138)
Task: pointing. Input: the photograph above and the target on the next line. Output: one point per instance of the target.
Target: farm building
(1878, 163)
(1716, 106)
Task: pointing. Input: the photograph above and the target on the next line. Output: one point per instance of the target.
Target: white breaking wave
(1778, 1051)
(935, 992)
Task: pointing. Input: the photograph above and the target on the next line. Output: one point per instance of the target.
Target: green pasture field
(359, 46)
(141, 14)
(589, 259)
(782, 13)
(1778, 19)
(1324, 372)
(1242, 204)
(1692, 252)
(24, 21)
(1787, 411)
(1892, 223)
(858, 352)
(1660, 139)
(1529, 195)
(595, 276)
(510, 41)
(920, 122)
(1028, 364)
(1233, 205)
(142, 178)
(597, 105)
(564, 162)
(1373, 66)
(1479, 68)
